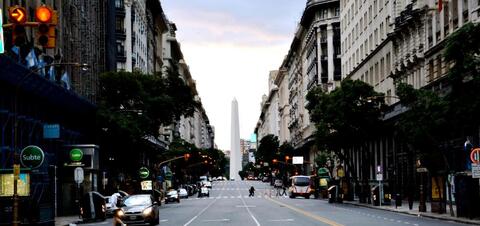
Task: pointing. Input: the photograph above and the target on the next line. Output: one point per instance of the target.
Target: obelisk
(235, 160)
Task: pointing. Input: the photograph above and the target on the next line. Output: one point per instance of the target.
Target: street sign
(379, 176)
(2, 46)
(475, 170)
(475, 155)
(168, 175)
(146, 185)
(422, 170)
(143, 172)
(51, 131)
(76, 155)
(78, 175)
(32, 157)
(297, 160)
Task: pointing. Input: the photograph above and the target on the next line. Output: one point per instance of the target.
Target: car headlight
(147, 211)
(120, 213)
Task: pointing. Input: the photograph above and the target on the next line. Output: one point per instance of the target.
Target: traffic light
(186, 156)
(287, 158)
(17, 15)
(46, 19)
(274, 160)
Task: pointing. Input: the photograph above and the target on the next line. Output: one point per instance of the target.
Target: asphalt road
(229, 204)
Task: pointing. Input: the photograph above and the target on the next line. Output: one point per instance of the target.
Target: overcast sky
(230, 46)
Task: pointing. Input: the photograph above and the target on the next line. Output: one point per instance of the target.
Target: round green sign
(32, 157)
(143, 172)
(76, 155)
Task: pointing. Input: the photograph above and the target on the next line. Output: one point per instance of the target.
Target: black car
(138, 209)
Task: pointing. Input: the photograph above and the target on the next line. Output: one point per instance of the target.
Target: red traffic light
(43, 14)
(17, 14)
(186, 156)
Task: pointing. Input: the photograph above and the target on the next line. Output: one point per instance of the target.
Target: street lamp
(16, 156)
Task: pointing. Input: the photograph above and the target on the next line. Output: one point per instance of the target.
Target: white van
(300, 186)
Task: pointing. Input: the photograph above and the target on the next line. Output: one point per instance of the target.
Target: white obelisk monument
(235, 157)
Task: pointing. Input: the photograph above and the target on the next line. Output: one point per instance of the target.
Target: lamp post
(16, 156)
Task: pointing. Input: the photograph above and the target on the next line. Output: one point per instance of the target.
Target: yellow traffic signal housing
(47, 19)
(17, 15)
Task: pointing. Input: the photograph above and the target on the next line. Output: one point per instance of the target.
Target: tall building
(313, 60)
(235, 155)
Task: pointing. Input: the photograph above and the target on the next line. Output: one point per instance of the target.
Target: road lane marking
(282, 220)
(245, 206)
(248, 209)
(313, 216)
(163, 221)
(216, 220)
(200, 213)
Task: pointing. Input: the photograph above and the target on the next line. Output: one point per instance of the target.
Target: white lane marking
(200, 213)
(249, 212)
(163, 221)
(407, 223)
(225, 197)
(232, 197)
(284, 220)
(245, 206)
(216, 220)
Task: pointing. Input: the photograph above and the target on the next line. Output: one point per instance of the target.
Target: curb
(456, 219)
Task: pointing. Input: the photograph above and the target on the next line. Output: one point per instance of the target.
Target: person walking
(252, 192)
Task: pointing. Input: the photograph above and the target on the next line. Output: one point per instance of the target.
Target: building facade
(313, 60)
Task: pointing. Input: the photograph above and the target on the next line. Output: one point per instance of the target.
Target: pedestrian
(252, 191)
(114, 200)
(284, 193)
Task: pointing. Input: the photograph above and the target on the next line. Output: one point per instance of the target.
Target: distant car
(172, 196)
(207, 184)
(203, 192)
(278, 183)
(250, 177)
(138, 209)
(182, 193)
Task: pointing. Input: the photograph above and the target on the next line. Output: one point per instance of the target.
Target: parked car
(207, 184)
(203, 192)
(138, 209)
(300, 186)
(172, 196)
(182, 193)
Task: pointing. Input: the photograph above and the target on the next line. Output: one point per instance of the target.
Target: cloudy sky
(230, 46)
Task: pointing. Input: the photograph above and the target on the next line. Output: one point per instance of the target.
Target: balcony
(120, 11)
(121, 56)
(120, 34)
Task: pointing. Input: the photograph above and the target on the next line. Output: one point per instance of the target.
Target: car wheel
(292, 196)
(166, 202)
(307, 196)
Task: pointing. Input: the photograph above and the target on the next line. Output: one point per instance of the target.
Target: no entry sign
(475, 155)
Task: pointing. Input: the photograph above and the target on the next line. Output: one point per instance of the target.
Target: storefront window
(6, 185)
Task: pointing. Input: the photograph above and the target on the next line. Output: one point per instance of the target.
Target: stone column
(330, 52)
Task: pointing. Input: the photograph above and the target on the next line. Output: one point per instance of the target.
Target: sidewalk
(66, 220)
(405, 210)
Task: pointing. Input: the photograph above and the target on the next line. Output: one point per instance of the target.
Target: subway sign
(32, 157)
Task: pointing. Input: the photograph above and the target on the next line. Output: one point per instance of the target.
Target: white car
(204, 192)
(182, 192)
(207, 184)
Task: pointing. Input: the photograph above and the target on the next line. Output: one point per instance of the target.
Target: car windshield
(138, 200)
(301, 181)
(172, 193)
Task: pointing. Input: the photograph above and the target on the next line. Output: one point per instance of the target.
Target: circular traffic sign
(143, 172)
(475, 155)
(32, 157)
(76, 155)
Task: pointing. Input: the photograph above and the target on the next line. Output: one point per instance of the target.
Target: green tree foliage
(424, 124)
(347, 116)
(463, 50)
(132, 106)
(267, 149)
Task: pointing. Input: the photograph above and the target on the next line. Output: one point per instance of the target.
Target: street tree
(267, 149)
(348, 116)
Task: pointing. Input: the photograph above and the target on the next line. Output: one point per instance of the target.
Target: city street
(229, 204)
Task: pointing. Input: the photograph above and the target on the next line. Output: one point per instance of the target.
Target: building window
(337, 11)
(388, 64)
(119, 4)
(382, 69)
(439, 66)
(119, 24)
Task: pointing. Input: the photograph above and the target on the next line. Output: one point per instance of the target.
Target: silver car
(138, 209)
